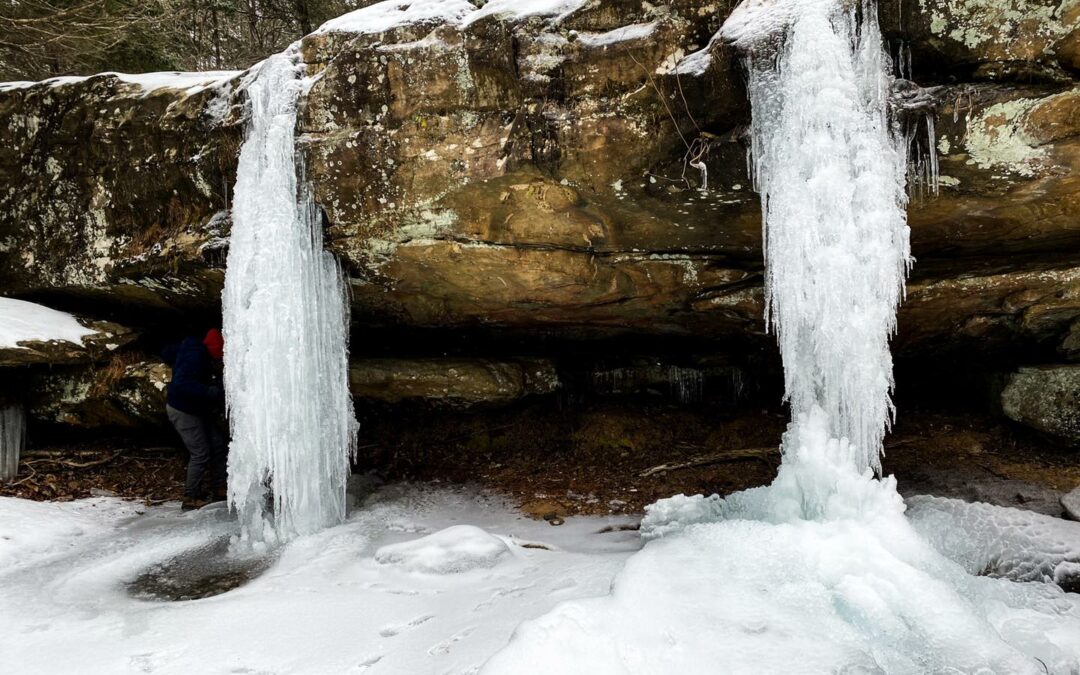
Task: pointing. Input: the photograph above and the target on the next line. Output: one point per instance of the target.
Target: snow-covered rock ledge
(32, 333)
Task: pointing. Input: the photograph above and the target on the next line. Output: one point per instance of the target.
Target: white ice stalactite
(12, 440)
(830, 167)
(286, 331)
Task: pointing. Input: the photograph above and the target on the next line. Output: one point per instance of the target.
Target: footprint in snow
(444, 646)
(391, 631)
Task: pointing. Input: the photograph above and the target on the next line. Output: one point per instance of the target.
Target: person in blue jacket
(195, 400)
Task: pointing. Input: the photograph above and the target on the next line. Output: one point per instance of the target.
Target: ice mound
(846, 595)
(821, 569)
(1000, 541)
(456, 549)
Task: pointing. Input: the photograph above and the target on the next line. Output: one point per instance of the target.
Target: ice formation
(12, 440)
(821, 571)
(1000, 541)
(830, 170)
(286, 331)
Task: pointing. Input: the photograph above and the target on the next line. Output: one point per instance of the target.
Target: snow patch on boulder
(22, 321)
(383, 16)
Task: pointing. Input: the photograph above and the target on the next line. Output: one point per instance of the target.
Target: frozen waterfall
(830, 168)
(286, 331)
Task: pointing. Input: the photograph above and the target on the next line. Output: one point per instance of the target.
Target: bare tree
(43, 38)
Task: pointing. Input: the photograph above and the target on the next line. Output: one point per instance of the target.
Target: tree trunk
(303, 16)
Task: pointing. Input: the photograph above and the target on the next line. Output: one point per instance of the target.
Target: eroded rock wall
(533, 182)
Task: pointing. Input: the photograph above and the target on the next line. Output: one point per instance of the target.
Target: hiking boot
(219, 494)
(192, 503)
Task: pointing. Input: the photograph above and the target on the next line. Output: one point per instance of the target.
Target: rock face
(128, 392)
(578, 176)
(1046, 399)
(125, 393)
(451, 382)
(116, 189)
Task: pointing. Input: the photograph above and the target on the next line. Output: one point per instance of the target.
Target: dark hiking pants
(206, 444)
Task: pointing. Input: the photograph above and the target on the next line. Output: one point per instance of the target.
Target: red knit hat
(215, 344)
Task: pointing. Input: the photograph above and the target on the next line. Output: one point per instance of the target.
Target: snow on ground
(431, 580)
(432, 601)
(22, 321)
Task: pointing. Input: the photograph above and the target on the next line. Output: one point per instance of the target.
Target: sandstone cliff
(510, 182)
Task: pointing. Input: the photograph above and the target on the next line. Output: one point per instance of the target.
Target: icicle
(685, 384)
(931, 135)
(286, 331)
(12, 440)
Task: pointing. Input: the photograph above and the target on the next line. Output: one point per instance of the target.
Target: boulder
(470, 211)
(1070, 345)
(1070, 501)
(117, 186)
(1046, 399)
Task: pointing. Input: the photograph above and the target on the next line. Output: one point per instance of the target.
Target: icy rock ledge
(456, 549)
(999, 541)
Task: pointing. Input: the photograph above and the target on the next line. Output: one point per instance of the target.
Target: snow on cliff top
(373, 19)
(384, 16)
(22, 321)
(191, 82)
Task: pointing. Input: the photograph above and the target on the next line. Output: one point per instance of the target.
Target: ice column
(830, 166)
(12, 440)
(286, 331)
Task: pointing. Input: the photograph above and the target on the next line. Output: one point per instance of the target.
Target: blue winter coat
(194, 387)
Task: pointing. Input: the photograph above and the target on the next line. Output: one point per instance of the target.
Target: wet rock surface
(200, 573)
